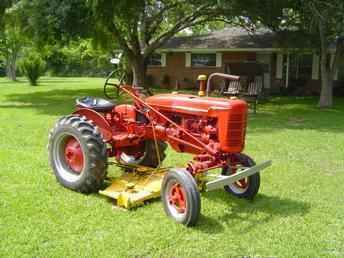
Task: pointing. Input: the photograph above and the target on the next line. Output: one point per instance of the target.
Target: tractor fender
(97, 120)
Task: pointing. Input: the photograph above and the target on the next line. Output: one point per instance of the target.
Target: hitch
(222, 180)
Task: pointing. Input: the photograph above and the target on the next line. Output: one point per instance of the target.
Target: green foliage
(32, 66)
(78, 58)
(4, 4)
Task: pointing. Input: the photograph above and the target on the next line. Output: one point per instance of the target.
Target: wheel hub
(242, 184)
(73, 155)
(177, 198)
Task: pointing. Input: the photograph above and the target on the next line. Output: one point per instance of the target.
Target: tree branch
(121, 40)
(185, 22)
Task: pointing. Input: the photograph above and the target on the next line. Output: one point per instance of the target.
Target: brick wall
(175, 69)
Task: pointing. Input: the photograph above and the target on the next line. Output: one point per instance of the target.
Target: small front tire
(247, 187)
(181, 197)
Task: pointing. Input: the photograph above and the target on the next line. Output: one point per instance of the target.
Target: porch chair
(247, 90)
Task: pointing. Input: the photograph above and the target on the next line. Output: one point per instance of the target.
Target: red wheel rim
(177, 198)
(242, 183)
(73, 155)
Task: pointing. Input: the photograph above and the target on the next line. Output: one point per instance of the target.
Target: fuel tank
(194, 105)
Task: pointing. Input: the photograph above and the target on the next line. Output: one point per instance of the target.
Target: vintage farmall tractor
(135, 137)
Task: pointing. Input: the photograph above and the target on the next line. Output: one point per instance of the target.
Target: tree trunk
(138, 67)
(326, 93)
(11, 67)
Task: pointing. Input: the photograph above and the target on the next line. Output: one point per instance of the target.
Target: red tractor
(136, 136)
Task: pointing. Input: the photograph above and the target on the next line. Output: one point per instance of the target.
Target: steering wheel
(107, 93)
(117, 73)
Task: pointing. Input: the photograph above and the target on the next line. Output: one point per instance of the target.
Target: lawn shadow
(53, 102)
(275, 114)
(209, 225)
(261, 210)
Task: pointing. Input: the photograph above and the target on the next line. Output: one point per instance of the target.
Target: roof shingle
(224, 39)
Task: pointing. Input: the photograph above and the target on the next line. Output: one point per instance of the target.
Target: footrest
(133, 189)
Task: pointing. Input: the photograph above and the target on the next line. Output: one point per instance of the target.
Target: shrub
(32, 66)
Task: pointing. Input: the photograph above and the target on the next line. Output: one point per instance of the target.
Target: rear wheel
(180, 197)
(247, 187)
(77, 154)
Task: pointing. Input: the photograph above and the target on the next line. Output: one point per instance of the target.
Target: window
(301, 66)
(203, 60)
(155, 60)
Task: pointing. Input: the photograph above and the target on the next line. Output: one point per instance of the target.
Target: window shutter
(163, 59)
(218, 59)
(187, 59)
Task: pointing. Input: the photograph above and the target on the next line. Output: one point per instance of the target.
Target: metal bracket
(221, 180)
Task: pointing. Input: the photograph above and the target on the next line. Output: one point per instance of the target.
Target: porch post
(287, 72)
(279, 66)
(336, 72)
(315, 67)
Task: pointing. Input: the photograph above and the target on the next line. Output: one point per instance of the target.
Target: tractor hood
(192, 104)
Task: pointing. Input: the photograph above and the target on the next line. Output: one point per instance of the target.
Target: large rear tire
(180, 197)
(77, 154)
(247, 187)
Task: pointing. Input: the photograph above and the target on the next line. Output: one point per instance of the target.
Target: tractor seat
(97, 104)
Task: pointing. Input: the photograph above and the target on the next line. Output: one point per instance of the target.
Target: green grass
(299, 211)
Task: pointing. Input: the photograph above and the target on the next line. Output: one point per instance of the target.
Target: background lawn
(299, 210)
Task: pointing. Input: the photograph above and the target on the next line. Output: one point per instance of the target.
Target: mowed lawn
(299, 211)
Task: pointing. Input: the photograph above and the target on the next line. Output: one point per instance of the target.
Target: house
(260, 56)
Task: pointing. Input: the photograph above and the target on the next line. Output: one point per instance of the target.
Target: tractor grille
(236, 130)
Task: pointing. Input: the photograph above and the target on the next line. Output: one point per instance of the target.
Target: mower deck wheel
(77, 154)
(180, 197)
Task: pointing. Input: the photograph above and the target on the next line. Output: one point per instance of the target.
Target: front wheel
(247, 187)
(180, 197)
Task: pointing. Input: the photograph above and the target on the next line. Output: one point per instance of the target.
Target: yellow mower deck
(132, 189)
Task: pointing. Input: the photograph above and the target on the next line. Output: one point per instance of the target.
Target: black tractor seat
(97, 104)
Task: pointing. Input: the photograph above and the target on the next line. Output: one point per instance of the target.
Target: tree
(12, 39)
(10, 46)
(139, 27)
(326, 19)
(319, 21)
